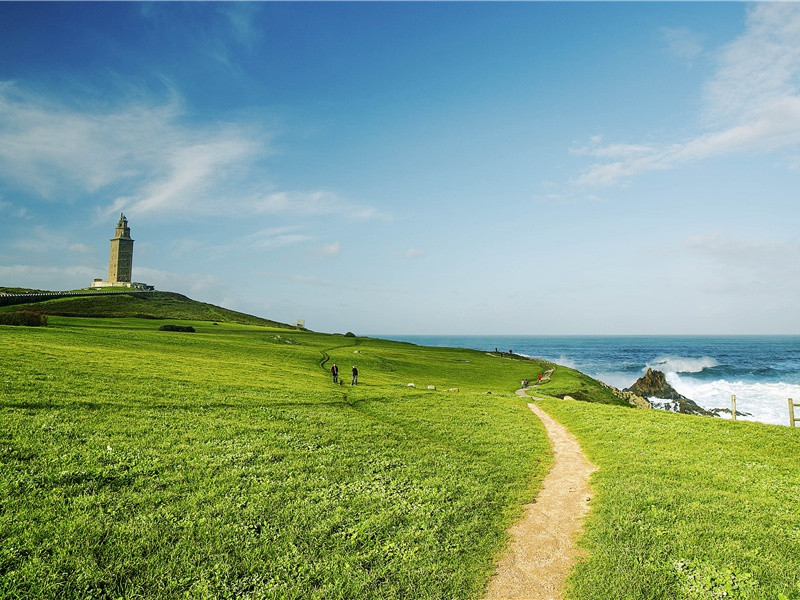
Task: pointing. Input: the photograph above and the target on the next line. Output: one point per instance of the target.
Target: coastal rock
(654, 385)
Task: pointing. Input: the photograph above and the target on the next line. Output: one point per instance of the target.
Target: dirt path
(542, 547)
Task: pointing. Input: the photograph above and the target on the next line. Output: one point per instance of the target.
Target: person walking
(355, 377)
(335, 373)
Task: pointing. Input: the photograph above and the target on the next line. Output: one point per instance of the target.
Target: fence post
(791, 413)
(733, 407)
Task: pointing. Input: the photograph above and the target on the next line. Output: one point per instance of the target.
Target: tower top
(122, 231)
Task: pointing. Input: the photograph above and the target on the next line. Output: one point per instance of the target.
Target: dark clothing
(355, 377)
(335, 373)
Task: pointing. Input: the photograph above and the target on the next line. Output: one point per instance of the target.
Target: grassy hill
(152, 305)
(225, 463)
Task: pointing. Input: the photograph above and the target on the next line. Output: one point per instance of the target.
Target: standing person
(335, 373)
(355, 377)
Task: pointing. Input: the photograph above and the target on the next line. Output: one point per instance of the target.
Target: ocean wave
(730, 372)
(766, 402)
(681, 364)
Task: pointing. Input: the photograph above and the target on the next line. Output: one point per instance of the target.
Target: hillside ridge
(121, 304)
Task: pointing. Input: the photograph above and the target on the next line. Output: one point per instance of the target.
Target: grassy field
(224, 463)
(687, 507)
(136, 463)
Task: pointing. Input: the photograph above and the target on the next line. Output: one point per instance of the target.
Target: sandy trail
(542, 548)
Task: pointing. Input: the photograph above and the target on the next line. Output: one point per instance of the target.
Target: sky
(565, 168)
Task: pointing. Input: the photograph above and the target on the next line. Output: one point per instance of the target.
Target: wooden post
(733, 407)
(791, 413)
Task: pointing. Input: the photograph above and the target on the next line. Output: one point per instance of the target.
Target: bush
(186, 328)
(23, 317)
(349, 334)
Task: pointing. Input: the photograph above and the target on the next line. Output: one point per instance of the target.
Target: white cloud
(192, 172)
(241, 21)
(775, 127)
(314, 204)
(47, 146)
(760, 67)
(410, 254)
(682, 42)
(752, 103)
(150, 157)
(276, 237)
(333, 249)
(593, 148)
(149, 148)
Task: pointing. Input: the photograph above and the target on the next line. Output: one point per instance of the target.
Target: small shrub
(23, 317)
(186, 328)
(349, 334)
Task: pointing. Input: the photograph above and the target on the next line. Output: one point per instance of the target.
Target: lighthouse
(120, 262)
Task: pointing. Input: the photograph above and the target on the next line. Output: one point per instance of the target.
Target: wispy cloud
(776, 127)
(596, 149)
(333, 249)
(276, 237)
(193, 175)
(161, 161)
(241, 21)
(752, 105)
(682, 42)
(410, 253)
(314, 204)
(56, 149)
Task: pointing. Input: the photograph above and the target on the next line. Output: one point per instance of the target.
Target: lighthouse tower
(120, 262)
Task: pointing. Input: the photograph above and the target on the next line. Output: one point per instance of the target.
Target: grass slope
(224, 463)
(686, 507)
(159, 305)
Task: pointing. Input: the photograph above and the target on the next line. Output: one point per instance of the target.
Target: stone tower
(120, 263)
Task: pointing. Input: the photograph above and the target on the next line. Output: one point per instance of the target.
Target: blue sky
(495, 168)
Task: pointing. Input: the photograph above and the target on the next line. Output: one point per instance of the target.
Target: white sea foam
(566, 362)
(682, 364)
(767, 402)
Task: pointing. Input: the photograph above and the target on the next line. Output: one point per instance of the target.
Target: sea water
(761, 371)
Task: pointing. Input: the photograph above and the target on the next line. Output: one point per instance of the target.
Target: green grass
(139, 463)
(224, 463)
(686, 507)
(155, 305)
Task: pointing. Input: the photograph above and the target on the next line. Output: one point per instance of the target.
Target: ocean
(762, 371)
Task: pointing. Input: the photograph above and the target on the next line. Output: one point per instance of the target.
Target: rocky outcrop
(654, 385)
